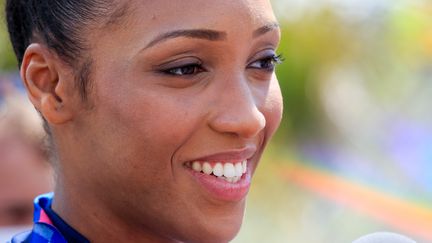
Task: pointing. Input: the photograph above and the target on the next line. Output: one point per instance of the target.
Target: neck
(93, 219)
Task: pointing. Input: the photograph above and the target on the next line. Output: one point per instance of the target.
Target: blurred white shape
(348, 103)
(384, 237)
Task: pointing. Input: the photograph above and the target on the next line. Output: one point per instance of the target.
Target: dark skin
(157, 101)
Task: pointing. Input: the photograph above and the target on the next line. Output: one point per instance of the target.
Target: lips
(226, 176)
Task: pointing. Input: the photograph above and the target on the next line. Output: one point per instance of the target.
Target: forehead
(161, 15)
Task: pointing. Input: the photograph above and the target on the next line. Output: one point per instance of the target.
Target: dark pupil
(185, 70)
(189, 70)
(267, 63)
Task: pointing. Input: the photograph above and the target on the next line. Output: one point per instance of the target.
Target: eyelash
(270, 63)
(190, 69)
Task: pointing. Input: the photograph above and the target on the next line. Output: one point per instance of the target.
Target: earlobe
(51, 109)
(41, 77)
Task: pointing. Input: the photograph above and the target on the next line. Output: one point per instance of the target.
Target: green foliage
(308, 45)
(7, 58)
(387, 49)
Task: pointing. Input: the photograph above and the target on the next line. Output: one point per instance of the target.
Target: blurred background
(24, 171)
(354, 152)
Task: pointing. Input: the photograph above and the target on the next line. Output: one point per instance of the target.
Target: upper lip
(229, 155)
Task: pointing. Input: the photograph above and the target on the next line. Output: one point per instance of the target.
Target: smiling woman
(158, 113)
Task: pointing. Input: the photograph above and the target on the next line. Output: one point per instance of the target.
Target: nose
(237, 111)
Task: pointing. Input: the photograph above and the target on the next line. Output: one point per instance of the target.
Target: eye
(267, 63)
(186, 70)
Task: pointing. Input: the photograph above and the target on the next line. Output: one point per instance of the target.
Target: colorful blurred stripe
(404, 216)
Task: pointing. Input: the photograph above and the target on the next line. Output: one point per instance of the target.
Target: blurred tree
(7, 58)
(308, 45)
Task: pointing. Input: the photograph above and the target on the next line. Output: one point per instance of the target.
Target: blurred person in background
(24, 171)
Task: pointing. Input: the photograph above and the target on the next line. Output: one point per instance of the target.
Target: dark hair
(59, 24)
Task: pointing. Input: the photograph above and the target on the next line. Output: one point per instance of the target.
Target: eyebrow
(207, 34)
(265, 29)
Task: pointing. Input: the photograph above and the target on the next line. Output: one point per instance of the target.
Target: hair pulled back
(59, 24)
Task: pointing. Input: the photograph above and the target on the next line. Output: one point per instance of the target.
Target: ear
(46, 85)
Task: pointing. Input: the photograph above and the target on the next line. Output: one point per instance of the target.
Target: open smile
(225, 176)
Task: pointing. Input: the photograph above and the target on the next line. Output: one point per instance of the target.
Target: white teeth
(206, 168)
(218, 169)
(234, 179)
(238, 169)
(229, 170)
(196, 166)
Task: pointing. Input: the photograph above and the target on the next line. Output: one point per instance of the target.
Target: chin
(218, 234)
(216, 230)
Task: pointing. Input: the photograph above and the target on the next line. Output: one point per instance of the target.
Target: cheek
(146, 128)
(273, 108)
(138, 133)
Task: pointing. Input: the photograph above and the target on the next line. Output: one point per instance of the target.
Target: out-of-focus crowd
(24, 169)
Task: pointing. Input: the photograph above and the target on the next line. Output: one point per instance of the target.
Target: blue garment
(48, 226)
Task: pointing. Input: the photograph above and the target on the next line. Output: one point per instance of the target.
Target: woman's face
(176, 82)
